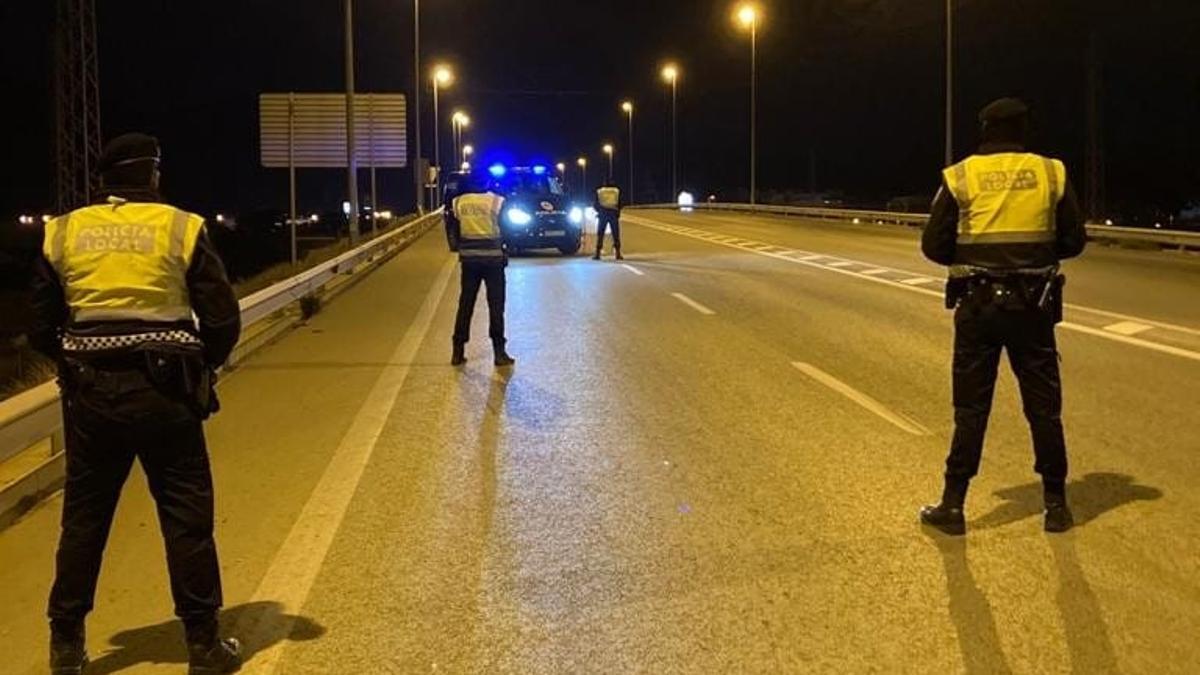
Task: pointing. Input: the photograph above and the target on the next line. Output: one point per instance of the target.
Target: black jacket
(211, 295)
(939, 241)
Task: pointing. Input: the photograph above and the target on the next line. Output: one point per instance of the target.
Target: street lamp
(627, 106)
(670, 74)
(460, 121)
(608, 150)
(582, 162)
(949, 82)
(442, 77)
(562, 168)
(418, 181)
(351, 154)
(748, 17)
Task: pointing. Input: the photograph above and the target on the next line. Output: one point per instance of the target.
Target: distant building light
(220, 217)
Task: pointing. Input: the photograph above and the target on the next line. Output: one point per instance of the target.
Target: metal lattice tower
(77, 103)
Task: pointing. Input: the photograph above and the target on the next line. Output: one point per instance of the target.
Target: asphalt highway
(707, 459)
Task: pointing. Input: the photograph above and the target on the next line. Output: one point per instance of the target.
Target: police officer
(1002, 221)
(114, 294)
(481, 252)
(608, 209)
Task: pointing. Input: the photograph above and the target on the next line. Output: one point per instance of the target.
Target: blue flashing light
(539, 170)
(497, 170)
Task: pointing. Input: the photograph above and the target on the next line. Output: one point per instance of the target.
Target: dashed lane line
(693, 304)
(633, 269)
(1128, 328)
(901, 421)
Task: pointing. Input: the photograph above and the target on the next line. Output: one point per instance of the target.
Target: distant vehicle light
(519, 217)
(687, 199)
(47, 219)
(315, 218)
(539, 170)
(1108, 222)
(220, 217)
(576, 215)
(857, 221)
(346, 208)
(497, 170)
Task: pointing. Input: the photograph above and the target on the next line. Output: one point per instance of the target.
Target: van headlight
(576, 215)
(519, 217)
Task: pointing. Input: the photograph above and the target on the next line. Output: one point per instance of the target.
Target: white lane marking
(840, 263)
(633, 269)
(907, 285)
(872, 272)
(917, 281)
(1128, 328)
(810, 257)
(1137, 342)
(693, 304)
(911, 426)
(290, 577)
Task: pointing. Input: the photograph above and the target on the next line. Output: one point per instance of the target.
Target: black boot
(1058, 514)
(597, 255)
(502, 357)
(619, 256)
(947, 516)
(460, 355)
(68, 652)
(208, 654)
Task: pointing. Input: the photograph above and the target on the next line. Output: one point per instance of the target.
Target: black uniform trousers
(116, 417)
(475, 273)
(983, 326)
(608, 218)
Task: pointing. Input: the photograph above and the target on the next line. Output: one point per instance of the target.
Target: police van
(538, 213)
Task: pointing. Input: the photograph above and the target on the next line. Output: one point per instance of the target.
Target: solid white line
(873, 272)
(810, 257)
(917, 281)
(290, 577)
(633, 269)
(1128, 328)
(840, 263)
(910, 285)
(861, 399)
(693, 304)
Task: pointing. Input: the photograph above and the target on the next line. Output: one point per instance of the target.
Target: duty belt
(108, 343)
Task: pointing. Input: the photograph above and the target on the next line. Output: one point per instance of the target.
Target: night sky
(856, 85)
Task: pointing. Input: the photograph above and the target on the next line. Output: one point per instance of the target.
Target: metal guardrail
(33, 419)
(1167, 238)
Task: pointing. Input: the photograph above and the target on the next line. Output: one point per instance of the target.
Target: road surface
(708, 459)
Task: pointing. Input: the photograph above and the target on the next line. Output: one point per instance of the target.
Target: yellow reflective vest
(478, 216)
(609, 197)
(1006, 198)
(124, 261)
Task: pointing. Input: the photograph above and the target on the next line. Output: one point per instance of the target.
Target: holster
(180, 372)
(956, 288)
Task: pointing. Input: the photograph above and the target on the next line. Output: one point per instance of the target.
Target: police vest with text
(480, 238)
(124, 261)
(1007, 204)
(609, 198)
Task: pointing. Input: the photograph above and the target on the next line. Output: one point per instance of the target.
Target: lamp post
(627, 106)
(582, 162)
(442, 77)
(418, 181)
(351, 159)
(459, 121)
(748, 16)
(608, 150)
(949, 82)
(670, 74)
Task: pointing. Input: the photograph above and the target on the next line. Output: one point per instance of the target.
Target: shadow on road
(1083, 623)
(163, 642)
(1090, 497)
(970, 611)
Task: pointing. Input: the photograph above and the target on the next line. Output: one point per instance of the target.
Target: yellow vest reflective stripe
(1006, 198)
(479, 225)
(609, 197)
(124, 261)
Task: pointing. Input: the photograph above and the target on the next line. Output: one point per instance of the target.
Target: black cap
(1003, 109)
(129, 149)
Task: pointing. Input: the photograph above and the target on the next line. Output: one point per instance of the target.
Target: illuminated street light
(442, 77)
(466, 166)
(582, 162)
(627, 106)
(608, 150)
(670, 74)
(562, 168)
(459, 121)
(748, 15)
